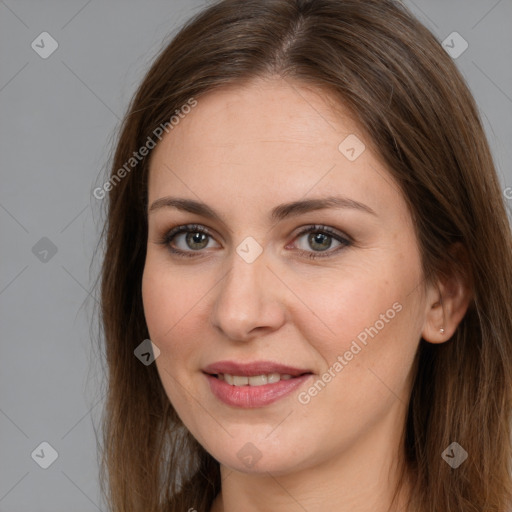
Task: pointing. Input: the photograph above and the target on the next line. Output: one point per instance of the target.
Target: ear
(448, 298)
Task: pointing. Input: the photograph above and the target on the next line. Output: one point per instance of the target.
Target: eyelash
(198, 228)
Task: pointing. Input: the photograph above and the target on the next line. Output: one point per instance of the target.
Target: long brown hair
(414, 106)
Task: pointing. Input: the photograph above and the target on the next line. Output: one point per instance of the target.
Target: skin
(243, 150)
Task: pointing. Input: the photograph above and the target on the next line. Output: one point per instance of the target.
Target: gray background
(58, 117)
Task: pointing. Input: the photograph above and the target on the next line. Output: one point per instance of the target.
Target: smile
(256, 380)
(251, 384)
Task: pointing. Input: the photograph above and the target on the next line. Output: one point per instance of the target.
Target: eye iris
(196, 237)
(320, 238)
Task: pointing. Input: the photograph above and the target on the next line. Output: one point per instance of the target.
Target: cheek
(364, 323)
(155, 297)
(344, 304)
(173, 301)
(172, 304)
(164, 295)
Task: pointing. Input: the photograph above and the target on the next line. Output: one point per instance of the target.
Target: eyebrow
(278, 213)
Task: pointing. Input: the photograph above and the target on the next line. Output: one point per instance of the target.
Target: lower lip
(253, 396)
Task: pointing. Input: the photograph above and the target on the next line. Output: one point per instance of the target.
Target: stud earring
(441, 330)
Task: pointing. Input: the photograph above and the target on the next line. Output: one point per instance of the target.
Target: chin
(275, 465)
(261, 457)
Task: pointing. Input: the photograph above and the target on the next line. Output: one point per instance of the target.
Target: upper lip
(253, 368)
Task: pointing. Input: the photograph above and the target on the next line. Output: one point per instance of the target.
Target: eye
(320, 239)
(194, 238)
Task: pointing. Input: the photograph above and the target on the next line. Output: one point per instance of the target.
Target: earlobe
(434, 330)
(448, 303)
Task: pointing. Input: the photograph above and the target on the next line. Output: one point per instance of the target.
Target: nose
(248, 302)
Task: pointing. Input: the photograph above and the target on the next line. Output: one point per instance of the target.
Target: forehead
(269, 139)
(273, 111)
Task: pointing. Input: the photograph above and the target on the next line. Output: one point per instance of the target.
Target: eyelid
(344, 239)
(335, 233)
(185, 228)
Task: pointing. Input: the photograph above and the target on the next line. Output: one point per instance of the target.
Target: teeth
(273, 377)
(240, 381)
(256, 380)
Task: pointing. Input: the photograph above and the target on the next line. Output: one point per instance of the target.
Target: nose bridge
(246, 299)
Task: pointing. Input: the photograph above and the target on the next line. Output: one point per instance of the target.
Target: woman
(305, 220)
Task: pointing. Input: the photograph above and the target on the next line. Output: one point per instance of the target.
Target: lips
(227, 382)
(253, 368)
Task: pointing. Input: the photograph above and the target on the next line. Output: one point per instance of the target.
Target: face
(330, 294)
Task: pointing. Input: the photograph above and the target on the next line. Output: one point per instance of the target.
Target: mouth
(255, 384)
(255, 380)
